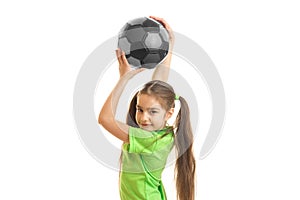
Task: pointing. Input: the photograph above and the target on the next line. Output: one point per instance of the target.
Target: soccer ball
(145, 42)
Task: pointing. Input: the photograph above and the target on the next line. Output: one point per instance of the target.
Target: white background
(254, 45)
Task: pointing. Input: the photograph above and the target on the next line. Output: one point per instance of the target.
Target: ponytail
(185, 164)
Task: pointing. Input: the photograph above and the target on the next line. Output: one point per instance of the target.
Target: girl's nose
(144, 117)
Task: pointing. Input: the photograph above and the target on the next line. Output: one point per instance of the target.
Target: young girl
(147, 137)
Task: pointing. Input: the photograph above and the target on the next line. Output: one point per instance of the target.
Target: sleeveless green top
(143, 161)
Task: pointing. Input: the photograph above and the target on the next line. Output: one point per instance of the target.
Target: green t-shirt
(143, 161)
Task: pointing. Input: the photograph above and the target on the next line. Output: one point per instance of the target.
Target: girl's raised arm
(107, 114)
(161, 71)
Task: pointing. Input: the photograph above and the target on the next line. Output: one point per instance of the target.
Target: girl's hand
(124, 67)
(167, 27)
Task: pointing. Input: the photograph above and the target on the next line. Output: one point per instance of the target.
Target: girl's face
(150, 115)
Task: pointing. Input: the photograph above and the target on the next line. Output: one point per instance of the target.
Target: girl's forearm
(162, 70)
(109, 108)
(107, 114)
(108, 111)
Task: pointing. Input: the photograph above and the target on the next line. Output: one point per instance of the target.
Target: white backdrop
(254, 45)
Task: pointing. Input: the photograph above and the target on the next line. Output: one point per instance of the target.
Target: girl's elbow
(104, 121)
(101, 120)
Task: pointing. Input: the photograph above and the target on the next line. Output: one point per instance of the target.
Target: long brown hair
(185, 164)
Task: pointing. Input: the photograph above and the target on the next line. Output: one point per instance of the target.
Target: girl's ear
(169, 114)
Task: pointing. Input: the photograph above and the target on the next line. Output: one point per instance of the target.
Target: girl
(147, 137)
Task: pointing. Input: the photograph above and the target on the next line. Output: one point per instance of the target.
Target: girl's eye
(139, 110)
(153, 112)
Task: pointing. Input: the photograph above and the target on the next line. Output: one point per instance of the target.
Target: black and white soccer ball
(145, 42)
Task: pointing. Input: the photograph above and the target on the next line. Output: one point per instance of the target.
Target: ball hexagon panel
(135, 34)
(124, 44)
(150, 60)
(135, 62)
(153, 40)
(164, 35)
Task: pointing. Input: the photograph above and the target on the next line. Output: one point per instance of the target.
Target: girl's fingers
(118, 53)
(122, 56)
(124, 59)
(119, 56)
(161, 20)
(156, 18)
(164, 23)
